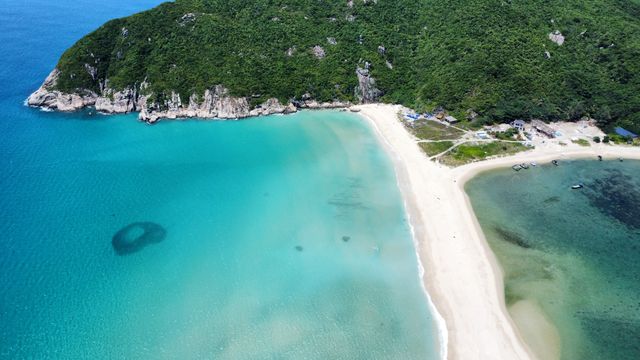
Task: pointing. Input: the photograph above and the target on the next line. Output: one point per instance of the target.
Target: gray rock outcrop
(557, 37)
(318, 52)
(109, 101)
(366, 91)
(215, 103)
(53, 99)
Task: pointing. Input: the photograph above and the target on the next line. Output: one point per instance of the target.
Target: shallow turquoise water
(285, 236)
(574, 252)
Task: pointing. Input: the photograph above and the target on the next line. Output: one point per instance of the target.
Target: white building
(518, 125)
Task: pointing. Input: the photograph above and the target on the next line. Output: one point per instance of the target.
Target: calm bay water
(280, 237)
(576, 253)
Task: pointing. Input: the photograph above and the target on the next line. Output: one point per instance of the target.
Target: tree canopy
(495, 57)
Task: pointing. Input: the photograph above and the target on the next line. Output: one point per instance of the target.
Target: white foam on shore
(41, 108)
(441, 324)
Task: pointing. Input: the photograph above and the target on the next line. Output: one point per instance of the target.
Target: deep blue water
(279, 237)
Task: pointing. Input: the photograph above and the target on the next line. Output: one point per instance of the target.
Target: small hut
(450, 119)
(543, 128)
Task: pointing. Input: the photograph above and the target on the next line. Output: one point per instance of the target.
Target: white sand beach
(462, 275)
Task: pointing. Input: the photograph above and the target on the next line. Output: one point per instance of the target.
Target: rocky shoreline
(214, 103)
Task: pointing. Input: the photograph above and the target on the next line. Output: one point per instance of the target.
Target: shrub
(581, 142)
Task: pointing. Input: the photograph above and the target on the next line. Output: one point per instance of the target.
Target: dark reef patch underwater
(512, 237)
(616, 196)
(134, 237)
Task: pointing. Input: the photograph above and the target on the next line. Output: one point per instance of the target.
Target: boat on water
(554, 162)
(517, 167)
(524, 166)
(577, 186)
(534, 164)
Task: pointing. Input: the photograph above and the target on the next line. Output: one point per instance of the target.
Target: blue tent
(626, 133)
(411, 117)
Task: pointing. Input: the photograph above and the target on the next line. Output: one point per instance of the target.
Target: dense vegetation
(492, 56)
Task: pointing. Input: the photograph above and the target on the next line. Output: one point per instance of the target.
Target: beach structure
(410, 118)
(482, 134)
(518, 125)
(430, 116)
(626, 133)
(450, 119)
(543, 128)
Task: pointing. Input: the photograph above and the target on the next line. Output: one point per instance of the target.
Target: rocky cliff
(214, 103)
(366, 90)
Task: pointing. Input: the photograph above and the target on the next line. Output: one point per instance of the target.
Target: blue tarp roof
(626, 133)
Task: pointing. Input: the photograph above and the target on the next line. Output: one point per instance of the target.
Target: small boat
(517, 167)
(621, 160)
(554, 162)
(534, 164)
(577, 186)
(524, 166)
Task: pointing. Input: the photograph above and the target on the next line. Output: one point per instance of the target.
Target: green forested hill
(494, 57)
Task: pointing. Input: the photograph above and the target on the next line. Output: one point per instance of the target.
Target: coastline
(215, 103)
(461, 277)
(466, 289)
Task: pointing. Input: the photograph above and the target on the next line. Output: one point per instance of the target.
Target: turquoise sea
(281, 237)
(576, 253)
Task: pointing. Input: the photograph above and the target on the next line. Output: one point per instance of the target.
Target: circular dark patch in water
(134, 237)
(299, 248)
(346, 238)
